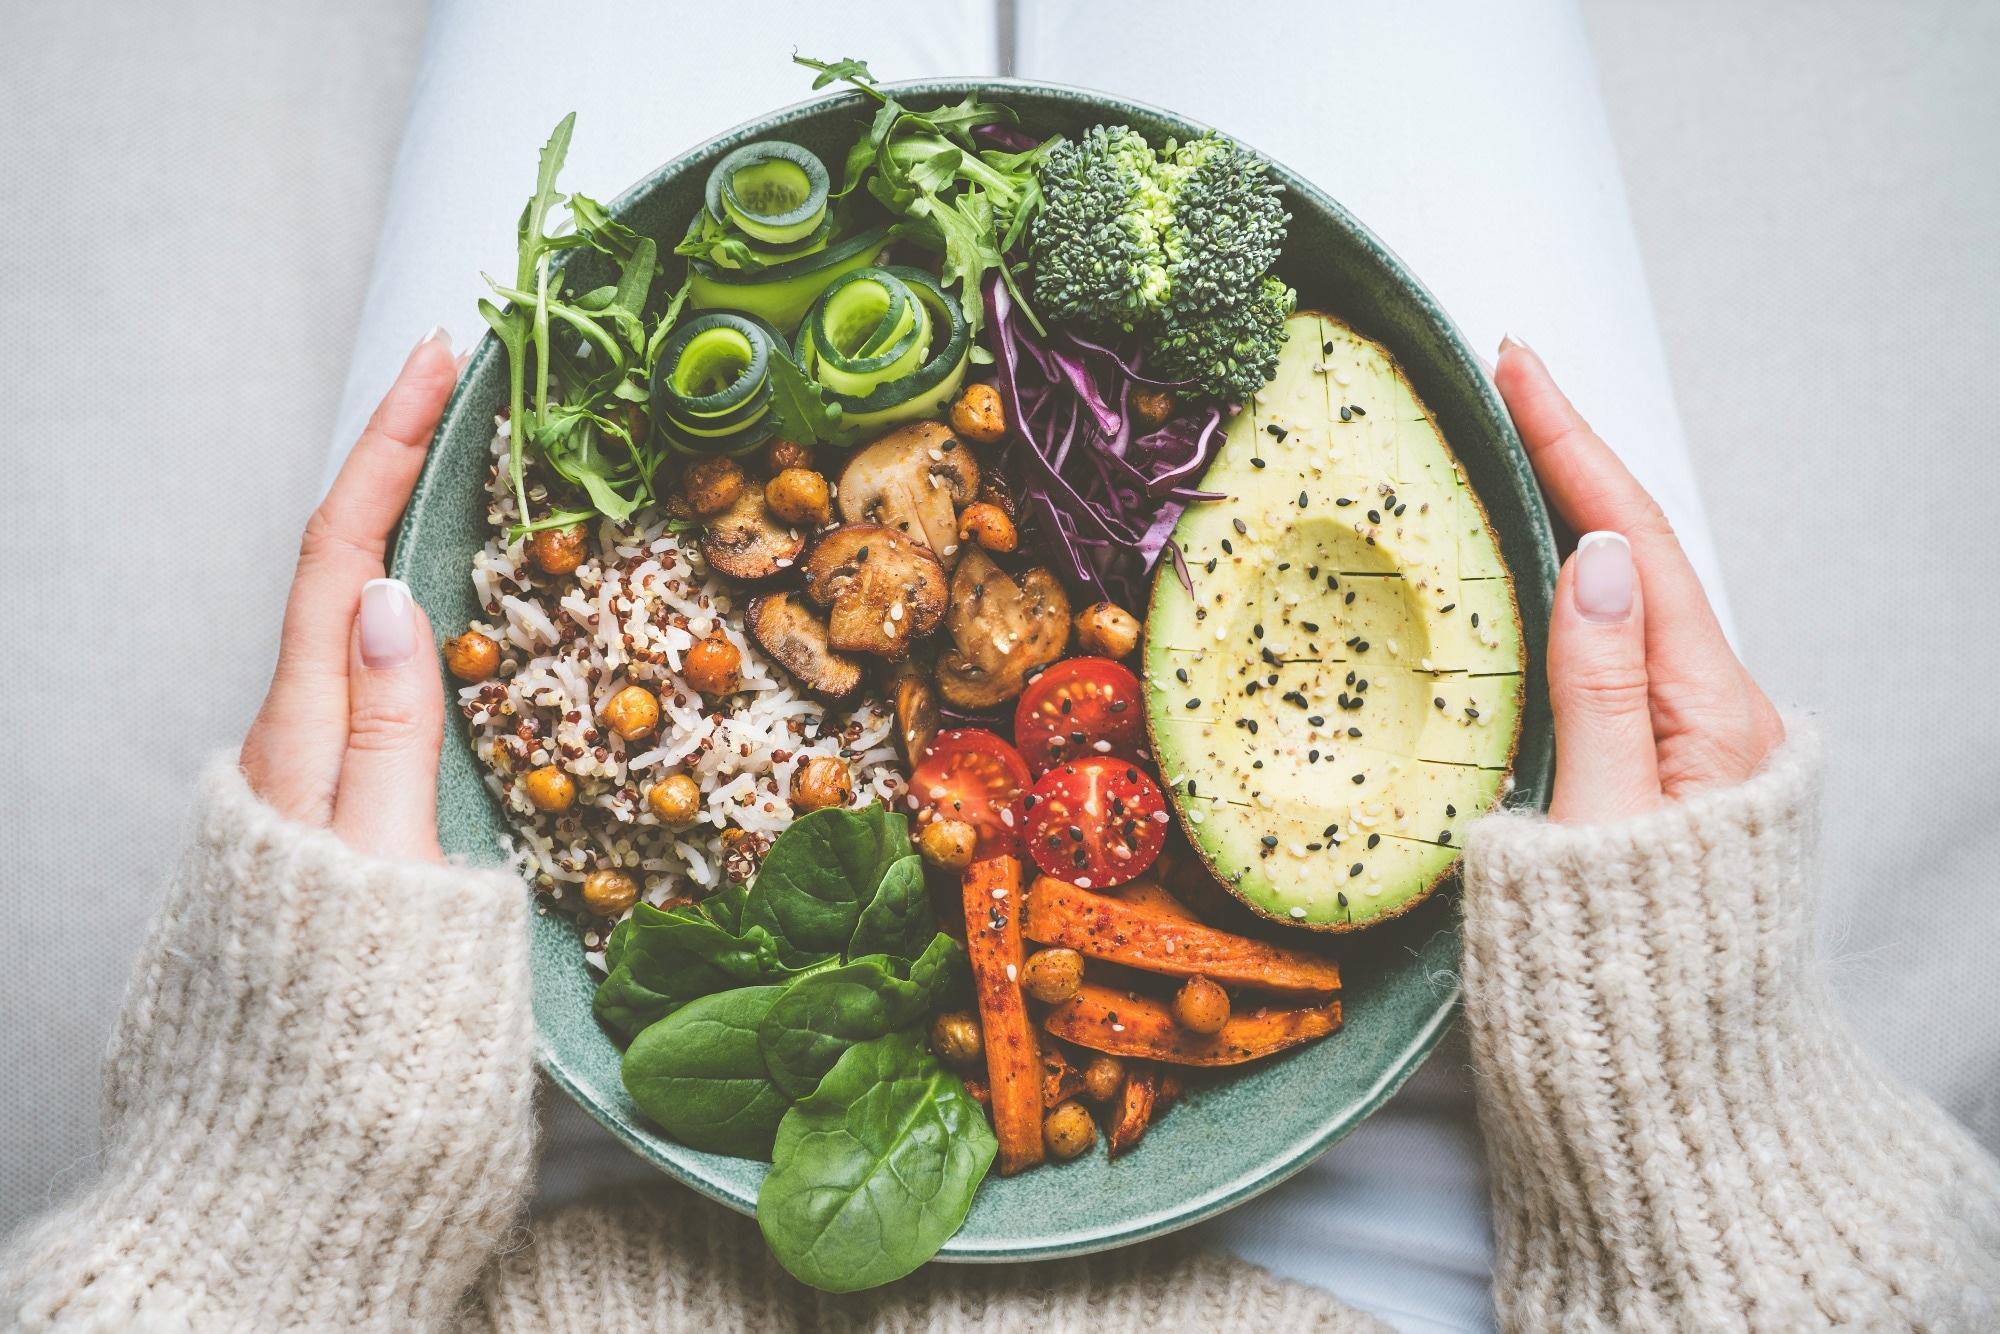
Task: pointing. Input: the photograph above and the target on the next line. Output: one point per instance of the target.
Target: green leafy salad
(785, 1022)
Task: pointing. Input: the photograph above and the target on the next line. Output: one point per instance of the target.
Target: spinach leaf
(668, 958)
(804, 1033)
(899, 919)
(874, 1171)
(820, 873)
(698, 1074)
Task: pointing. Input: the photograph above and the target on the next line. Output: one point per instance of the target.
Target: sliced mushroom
(1004, 626)
(913, 479)
(916, 713)
(885, 588)
(786, 627)
(995, 490)
(747, 541)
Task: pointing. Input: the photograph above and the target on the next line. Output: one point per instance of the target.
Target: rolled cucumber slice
(711, 391)
(867, 329)
(783, 293)
(927, 390)
(773, 191)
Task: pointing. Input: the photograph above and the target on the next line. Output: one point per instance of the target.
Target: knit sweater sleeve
(1682, 1133)
(319, 1097)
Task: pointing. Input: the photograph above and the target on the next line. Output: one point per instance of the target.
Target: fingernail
(1605, 578)
(437, 334)
(388, 623)
(1508, 343)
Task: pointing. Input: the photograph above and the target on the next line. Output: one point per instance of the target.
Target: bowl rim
(1272, 1171)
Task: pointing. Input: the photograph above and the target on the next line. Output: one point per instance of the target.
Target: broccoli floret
(1229, 351)
(1230, 220)
(1105, 241)
(1174, 244)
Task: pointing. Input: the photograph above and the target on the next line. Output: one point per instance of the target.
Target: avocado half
(1341, 692)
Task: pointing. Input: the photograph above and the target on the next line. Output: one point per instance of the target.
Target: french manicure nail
(388, 623)
(1508, 342)
(1605, 579)
(437, 332)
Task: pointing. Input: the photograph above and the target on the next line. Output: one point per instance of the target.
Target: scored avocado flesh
(1255, 684)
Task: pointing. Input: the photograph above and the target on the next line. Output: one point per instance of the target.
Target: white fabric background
(196, 192)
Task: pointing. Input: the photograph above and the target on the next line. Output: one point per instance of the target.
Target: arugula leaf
(804, 1032)
(699, 1074)
(821, 872)
(799, 407)
(876, 1170)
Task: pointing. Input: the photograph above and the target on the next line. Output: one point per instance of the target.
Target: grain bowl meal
(961, 645)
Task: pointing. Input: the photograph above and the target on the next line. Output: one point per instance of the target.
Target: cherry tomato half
(1077, 708)
(1096, 822)
(970, 774)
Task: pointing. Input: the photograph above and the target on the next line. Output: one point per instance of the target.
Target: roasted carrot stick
(1061, 1080)
(1148, 893)
(1134, 1108)
(1139, 935)
(1105, 1019)
(992, 892)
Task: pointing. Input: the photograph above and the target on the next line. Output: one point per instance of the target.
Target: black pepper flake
(1347, 414)
(1450, 811)
(1359, 779)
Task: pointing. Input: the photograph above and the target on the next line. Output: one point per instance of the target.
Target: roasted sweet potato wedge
(1139, 935)
(1104, 1019)
(1132, 1110)
(992, 895)
(1150, 894)
(1061, 1080)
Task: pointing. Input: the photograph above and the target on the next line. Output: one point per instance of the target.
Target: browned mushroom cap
(885, 588)
(747, 541)
(916, 712)
(913, 479)
(1004, 626)
(788, 629)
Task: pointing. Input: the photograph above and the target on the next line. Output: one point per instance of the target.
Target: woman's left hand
(349, 734)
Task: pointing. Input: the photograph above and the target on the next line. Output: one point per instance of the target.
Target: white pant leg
(1470, 137)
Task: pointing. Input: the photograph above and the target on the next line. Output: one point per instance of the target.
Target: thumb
(386, 803)
(1606, 765)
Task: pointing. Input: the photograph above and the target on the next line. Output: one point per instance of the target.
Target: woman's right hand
(1651, 703)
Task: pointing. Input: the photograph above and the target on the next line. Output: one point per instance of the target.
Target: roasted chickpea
(1107, 628)
(782, 454)
(633, 712)
(558, 550)
(472, 656)
(948, 844)
(609, 892)
(714, 666)
(987, 524)
(820, 782)
(956, 1039)
(1152, 407)
(1053, 976)
(676, 799)
(978, 414)
(550, 788)
(713, 484)
(800, 495)
(1200, 1006)
(1103, 1077)
(1068, 1131)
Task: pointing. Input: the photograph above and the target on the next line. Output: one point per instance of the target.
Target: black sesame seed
(1242, 528)
(1445, 836)
(1131, 775)
(1312, 571)
(1450, 810)
(1349, 599)
(1284, 565)
(1310, 627)
(1120, 705)
(1343, 501)
(1075, 833)
(1028, 801)
(1400, 509)
(1251, 723)
(1374, 840)
(1447, 606)
(1438, 700)
(1180, 674)
(1258, 629)
(1326, 349)
(1354, 732)
(1359, 779)
(1068, 705)
(1475, 620)
(1270, 840)
(1227, 550)
(1302, 500)
(1312, 757)
(1194, 703)
(1374, 516)
(1354, 870)
(1211, 564)
(1080, 858)
(1347, 414)
(1359, 411)
(1471, 712)
(1317, 720)
(1350, 678)
(1314, 847)
(1256, 463)
(1328, 831)
(1361, 686)
(1250, 689)
(1276, 431)
(1362, 647)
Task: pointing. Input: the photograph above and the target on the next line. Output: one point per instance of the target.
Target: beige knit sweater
(320, 1115)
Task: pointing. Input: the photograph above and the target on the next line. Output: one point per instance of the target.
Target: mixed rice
(641, 599)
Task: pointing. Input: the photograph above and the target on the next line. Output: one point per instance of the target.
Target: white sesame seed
(1298, 912)
(1012, 972)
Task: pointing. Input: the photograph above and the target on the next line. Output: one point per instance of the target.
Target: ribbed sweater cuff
(1681, 1131)
(664, 1259)
(318, 1105)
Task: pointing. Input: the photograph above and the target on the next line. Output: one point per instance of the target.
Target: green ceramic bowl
(1228, 1142)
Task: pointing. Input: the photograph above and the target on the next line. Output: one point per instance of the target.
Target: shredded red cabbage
(1104, 499)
